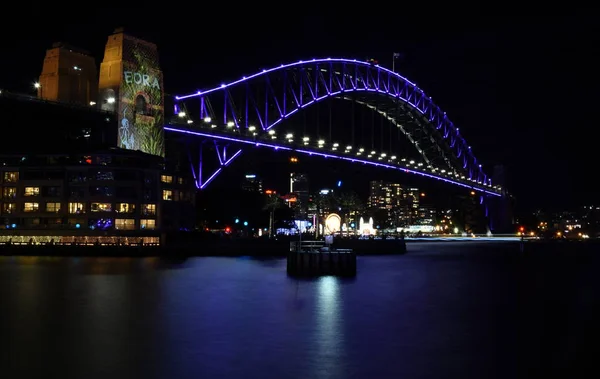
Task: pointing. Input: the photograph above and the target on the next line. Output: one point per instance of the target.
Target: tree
(272, 203)
(348, 203)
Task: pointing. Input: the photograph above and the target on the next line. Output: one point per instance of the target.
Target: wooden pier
(314, 258)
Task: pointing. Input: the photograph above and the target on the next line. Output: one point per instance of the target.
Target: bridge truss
(262, 110)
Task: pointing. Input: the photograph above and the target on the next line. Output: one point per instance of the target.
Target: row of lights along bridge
(289, 138)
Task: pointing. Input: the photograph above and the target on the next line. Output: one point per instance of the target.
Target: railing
(306, 246)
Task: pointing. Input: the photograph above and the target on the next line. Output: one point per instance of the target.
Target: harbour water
(445, 310)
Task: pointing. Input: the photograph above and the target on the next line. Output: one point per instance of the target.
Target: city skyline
(510, 137)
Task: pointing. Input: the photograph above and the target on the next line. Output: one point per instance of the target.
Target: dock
(315, 258)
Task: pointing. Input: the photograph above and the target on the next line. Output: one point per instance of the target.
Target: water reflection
(329, 332)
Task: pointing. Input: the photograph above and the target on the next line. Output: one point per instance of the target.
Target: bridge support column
(202, 171)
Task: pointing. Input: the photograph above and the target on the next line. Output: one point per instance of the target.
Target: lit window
(125, 223)
(166, 178)
(147, 224)
(53, 207)
(32, 191)
(8, 208)
(76, 208)
(167, 195)
(149, 209)
(9, 192)
(125, 208)
(11, 176)
(101, 207)
(31, 207)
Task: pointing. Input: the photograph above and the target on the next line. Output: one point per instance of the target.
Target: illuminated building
(66, 176)
(131, 85)
(426, 215)
(69, 75)
(252, 183)
(400, 203)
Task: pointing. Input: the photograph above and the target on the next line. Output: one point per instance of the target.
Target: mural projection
(141, 106)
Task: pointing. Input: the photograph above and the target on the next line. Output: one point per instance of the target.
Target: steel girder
(270, 97)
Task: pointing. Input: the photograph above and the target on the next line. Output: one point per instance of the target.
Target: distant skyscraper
(401, 203)
(69, 75)
(299, 185)
(131, 85)
(252, 183)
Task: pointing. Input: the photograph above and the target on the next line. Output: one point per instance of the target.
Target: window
(125, 224)
(180, 180)
(9, 192)
(11, 176)
(51, 191)
(53, 207)
(166, 178)
(31, 207)
(104, 175)
(125, 208)
(76, 208)
(8, 208)
(167, 195)
(101, 207)
(149, 209)
(147, 224)
(101, 191)
(32, 191)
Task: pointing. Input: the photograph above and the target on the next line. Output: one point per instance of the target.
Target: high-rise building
(400, 203)
(69, 75)
(131, 85)
(252, 183)
(299, 185)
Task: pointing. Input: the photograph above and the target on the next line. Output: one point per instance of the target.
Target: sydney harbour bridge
(350, 110)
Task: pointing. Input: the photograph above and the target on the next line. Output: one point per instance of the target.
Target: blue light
(352, 225)
(339, 183)
(245, 223)
(410, 93)
(237, 220)
(13, 226)
(327, 155)
(77, 226)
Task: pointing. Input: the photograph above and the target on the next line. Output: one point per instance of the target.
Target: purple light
(325, 155)
(424, 104)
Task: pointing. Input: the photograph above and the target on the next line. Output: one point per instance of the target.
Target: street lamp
(38, 87)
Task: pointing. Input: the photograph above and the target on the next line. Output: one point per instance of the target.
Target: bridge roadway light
(230, 124)
(348, 147)
(361, 149)
(190, 121)
(252, 128)
(181, 114)
(393, 157)
(321, 142)
(207, 119)
(289, 136)
(271, 132)
(213, 126)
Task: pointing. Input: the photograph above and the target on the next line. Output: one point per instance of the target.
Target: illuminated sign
(144, 80)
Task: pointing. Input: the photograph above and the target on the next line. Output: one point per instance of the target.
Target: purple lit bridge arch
(254, 111)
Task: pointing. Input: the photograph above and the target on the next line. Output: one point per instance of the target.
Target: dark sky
(521, 89)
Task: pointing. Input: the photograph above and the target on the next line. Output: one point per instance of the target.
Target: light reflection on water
(427, 316)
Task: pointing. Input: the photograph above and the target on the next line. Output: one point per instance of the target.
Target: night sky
(522, 90)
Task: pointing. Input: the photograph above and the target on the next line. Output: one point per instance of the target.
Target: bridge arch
(268, 98)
